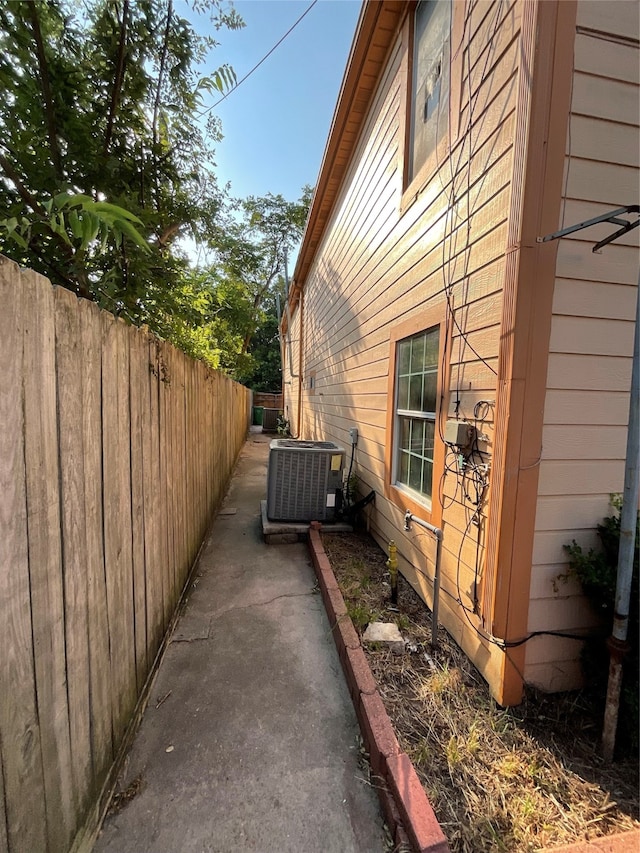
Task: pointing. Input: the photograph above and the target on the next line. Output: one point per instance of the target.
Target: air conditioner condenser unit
(270, 420)
(304, 482)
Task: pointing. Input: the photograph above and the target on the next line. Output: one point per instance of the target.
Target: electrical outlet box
(353, 434)
(459, 433)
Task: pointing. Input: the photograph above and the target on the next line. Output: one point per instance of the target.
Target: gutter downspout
(281, 339)
(293, 375)
(301, 336)
(438, 533)
(286, 302)
(618, 645)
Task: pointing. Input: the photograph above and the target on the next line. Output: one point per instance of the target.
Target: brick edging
(408, 812)
(623, 842)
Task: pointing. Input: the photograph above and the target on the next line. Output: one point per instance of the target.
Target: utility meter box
(459, 433)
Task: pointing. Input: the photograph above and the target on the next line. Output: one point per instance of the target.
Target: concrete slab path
(255, 747)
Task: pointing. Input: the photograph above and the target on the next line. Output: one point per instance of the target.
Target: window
(416, 402)
(429, 122)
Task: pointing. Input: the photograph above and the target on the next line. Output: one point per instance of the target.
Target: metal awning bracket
(613, 216)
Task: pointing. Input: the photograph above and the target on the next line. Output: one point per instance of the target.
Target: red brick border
(624, 842)
(405, 805)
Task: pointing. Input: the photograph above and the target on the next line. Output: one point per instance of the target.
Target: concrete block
(347, 636)
(418, 817)
(336, 608)
(359, 676)
(377, 731)
(387, 633)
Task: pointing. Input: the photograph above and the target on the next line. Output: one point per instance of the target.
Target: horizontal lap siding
(589, 373)
(377, 266)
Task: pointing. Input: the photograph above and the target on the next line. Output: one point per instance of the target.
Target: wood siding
(115, 449)
(587, 401)
(386, 258)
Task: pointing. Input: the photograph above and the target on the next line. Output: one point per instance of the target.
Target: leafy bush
(597, 572)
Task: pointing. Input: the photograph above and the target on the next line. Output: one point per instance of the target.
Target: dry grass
(500, 780)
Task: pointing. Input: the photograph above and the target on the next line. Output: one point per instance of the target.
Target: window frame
(411, 189)
(401, 495)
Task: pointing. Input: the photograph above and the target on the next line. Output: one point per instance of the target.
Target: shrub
(597, 572)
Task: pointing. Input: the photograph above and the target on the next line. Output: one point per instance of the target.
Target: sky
(275, 125)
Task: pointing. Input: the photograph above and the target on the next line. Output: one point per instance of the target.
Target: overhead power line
(264, 58)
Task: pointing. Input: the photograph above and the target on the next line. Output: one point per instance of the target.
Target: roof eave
(375, 32)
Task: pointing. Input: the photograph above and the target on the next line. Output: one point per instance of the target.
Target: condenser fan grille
(297, 479)
(304, 479)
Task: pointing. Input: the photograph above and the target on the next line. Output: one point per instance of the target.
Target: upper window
(430, 81)
(415, 411)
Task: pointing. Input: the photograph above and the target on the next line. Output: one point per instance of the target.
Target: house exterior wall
(457, 248)
(586, 405)
(386, 259)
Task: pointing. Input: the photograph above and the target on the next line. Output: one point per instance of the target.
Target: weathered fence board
(72, 503)
(150, 483)
(45, 556)
(19, 730)
(99, 664)
(115, 450)
(137, 402)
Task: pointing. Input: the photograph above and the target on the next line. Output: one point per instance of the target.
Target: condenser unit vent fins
(270, 420)
(304, 481)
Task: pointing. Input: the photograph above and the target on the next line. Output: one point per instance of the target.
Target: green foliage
(251, 246)
(284, 427)
(264, 371)
(103, 162)
(107, 167)
(360, 614)
(597, 572)
(77, 220)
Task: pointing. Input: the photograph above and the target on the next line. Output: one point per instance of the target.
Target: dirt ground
(500, 780)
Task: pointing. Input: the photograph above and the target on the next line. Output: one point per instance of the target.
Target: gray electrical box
(459, 433)
(304, 480)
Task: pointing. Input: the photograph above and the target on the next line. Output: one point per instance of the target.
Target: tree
(264, 370)
(103, 163)
(104, 166)
(252, 248)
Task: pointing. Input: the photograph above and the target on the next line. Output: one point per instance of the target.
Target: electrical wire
(451, 206)
(264, 58)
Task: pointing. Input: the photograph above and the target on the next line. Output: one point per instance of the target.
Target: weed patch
(500, 780)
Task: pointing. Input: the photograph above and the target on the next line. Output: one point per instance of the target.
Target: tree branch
(76, 286)
(156, 105)
(46, 90)
(81, 284)
(118, 80)
(29, 199)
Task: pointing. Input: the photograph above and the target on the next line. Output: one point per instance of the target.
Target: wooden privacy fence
(115, 449)
(269, 401)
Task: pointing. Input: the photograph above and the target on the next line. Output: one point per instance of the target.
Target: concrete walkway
(255, 746)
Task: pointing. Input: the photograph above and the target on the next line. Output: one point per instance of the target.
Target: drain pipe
(437, 532)
(618, 643)
(282, 338)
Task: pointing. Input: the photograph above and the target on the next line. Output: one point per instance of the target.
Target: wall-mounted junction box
(459, 433)
(353, 435)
